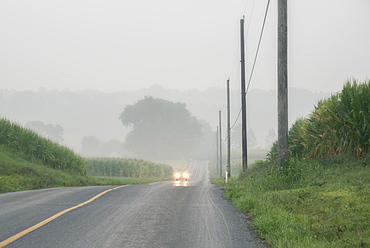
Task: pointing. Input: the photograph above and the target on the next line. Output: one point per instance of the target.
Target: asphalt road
(168, 214)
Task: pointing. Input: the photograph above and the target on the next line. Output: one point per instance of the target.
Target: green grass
(312, 203)
(23, 172)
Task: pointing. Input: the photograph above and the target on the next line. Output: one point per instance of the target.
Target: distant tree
(53, 132)
(90, 146)
(161, 129)
(111, 146)
(270, 138)
(205, 146)
(252, 140)
(236, 136)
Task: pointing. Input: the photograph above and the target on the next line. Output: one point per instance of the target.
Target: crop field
(338, 125)
(51, 154)
(29, 161)
(119, 167)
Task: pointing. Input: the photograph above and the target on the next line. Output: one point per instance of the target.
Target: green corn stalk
(22, 140)
(339, 124)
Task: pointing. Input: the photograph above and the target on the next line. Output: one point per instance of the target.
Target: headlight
(185, 175)
(177, 175)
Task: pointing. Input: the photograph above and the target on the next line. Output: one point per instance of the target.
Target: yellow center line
(44, 222)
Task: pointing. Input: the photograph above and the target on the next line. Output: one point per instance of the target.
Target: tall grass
(119, 167)
(338, 125)
(51, 154)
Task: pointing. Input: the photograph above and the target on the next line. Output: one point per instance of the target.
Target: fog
(93, 116)
(129, 45)
(77, 63)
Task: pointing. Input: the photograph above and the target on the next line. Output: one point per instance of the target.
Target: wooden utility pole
(217, 150)
(282, 83)
(228, 130)
(244, 105)
(219, 120)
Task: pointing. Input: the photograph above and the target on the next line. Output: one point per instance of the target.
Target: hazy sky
(116, 45)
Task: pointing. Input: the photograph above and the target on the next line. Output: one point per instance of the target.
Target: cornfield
(338, 125)
(25, 141)
(118, 167)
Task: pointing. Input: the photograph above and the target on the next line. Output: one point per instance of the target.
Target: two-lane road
(167, 214)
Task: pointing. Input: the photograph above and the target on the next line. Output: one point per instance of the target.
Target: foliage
(23, 172)
(161, 129)
(50, 131)
(270, 138)
(338, 125)
(310, 203)
(90, 146)
(119, 167)
(22, 140)
(252, 140)
(236, 136)
(204, 148)
(341, 124)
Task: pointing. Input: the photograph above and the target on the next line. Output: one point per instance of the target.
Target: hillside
(28, 161)
(22, 172)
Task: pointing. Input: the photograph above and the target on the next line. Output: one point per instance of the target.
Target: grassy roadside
(22, 172)
(313, 203)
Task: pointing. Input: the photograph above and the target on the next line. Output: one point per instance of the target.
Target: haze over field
(93, 113)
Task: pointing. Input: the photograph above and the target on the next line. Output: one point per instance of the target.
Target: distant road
(168, 214)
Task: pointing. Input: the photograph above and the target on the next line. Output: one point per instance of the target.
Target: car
(181, 175)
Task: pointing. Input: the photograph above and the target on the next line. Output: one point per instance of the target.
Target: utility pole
(228, 130)
(282, 83)
(220, 133)
(217, 150)
(244, 105)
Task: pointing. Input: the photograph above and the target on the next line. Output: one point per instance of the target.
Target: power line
(255, 58)
(258, 47)
(235, 58)
(250, 18)
(246, 5)
(235, 84)
(237, 118)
